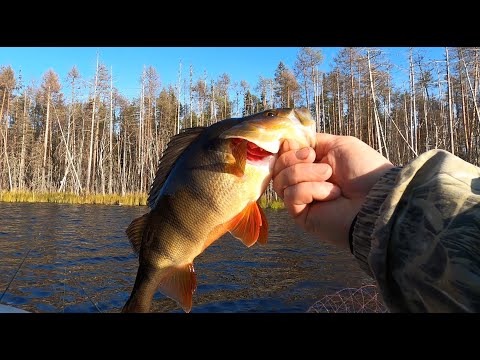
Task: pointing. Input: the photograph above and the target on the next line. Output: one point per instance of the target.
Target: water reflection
(69, 258)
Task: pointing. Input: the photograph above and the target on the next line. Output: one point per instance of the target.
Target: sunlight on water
(76, 258)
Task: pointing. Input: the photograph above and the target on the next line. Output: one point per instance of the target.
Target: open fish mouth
(255, 153)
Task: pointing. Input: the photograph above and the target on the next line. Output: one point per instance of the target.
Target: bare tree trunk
(45, 143)
(110, 142)
(213, 112)
(140, 156)
(90, 155)
(21, 179)
(178, 96)
(124, 164)
(413, 107)
(80, 151)
(406, 120)
(305, 84)
(352, 86)
(477, 111)
(425, 111)
(323, 106)
(95, 160)
(190, 93)
(377, 120)
(316, 96)
(440, 100)
(10, 182)
(359, 104)
(339, 106)
(450, 105)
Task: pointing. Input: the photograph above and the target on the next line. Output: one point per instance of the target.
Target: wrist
(364, 226)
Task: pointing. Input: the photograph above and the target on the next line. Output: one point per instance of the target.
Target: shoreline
(130, 199)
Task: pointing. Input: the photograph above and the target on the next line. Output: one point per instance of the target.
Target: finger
(291, 157)
(288, 145)
(324, 143)
(298, 173)
(297, 197)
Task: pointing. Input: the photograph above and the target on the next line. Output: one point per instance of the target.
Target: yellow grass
(69, 198)
(275, 204)
(131, 199)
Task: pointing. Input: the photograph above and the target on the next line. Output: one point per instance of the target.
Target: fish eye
(269, 114)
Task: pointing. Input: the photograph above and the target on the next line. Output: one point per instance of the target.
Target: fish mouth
(256, 155)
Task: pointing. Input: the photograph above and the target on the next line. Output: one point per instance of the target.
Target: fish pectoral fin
(179, 284)
(247, 225)
(237, 159)
(135, 232)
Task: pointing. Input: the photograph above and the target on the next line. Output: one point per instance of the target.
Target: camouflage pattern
(418, 235)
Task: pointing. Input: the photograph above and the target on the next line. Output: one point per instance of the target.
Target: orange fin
(263, 236)
(246, 225)
(179, 283)
(135, 232)
(236, 165)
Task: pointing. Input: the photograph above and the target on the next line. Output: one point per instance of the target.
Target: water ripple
(80, 261)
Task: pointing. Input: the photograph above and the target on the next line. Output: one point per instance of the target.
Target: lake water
(76, 258)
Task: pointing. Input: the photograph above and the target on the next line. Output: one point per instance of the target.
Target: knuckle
(294, 175)
(289, 193)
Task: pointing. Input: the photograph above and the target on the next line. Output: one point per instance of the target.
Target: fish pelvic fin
(135, 232)
(250, 225)
(263, 236)
(179, 283)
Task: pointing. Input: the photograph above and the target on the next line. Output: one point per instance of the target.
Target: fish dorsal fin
(250, 225)
(135, 232)
(177, 145)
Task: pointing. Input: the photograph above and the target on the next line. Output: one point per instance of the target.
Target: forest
(84, 137)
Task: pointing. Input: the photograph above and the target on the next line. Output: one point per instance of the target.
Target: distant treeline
(87, 138)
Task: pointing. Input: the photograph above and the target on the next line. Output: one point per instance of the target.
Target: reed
(131, 199)
(274, 204)
(277, 205)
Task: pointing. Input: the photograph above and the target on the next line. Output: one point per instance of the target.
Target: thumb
(288, 145)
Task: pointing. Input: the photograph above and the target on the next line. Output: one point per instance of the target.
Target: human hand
(324, 188)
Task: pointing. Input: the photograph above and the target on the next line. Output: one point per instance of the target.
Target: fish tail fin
(135, 232)
(177, 282)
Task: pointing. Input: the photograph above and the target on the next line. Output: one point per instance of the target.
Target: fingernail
(285, 145)
(302, 154)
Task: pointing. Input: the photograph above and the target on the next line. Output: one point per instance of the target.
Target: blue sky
(241, 63)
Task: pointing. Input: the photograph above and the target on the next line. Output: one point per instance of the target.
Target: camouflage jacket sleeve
(418, 235)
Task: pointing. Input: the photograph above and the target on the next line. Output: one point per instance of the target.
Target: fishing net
(365, 299)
